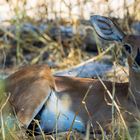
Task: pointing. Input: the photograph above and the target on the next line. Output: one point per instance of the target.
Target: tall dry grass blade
(117, 107)
(1, 117)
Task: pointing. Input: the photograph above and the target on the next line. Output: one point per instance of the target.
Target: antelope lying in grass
(63, 103)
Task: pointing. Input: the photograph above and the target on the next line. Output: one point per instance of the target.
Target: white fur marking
(56, 114)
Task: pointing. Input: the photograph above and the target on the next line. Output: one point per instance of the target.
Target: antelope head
(106, 29)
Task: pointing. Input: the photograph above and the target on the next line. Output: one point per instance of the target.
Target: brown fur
(29, 87)
(97, 100)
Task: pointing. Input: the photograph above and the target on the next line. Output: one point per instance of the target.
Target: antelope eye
(127, 48)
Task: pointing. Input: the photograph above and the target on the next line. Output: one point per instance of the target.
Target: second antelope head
(106, 29)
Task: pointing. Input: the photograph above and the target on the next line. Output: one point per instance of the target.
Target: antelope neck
(134, 85)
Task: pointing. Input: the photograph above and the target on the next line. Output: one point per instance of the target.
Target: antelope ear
(106, 29)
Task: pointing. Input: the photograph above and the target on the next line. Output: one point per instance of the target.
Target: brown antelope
(63, 103)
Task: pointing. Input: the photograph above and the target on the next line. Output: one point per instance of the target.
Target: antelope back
(29, 87)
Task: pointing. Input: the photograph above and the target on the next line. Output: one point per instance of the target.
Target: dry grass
(58, 57)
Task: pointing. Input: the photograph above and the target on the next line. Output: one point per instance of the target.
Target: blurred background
(58, 32)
